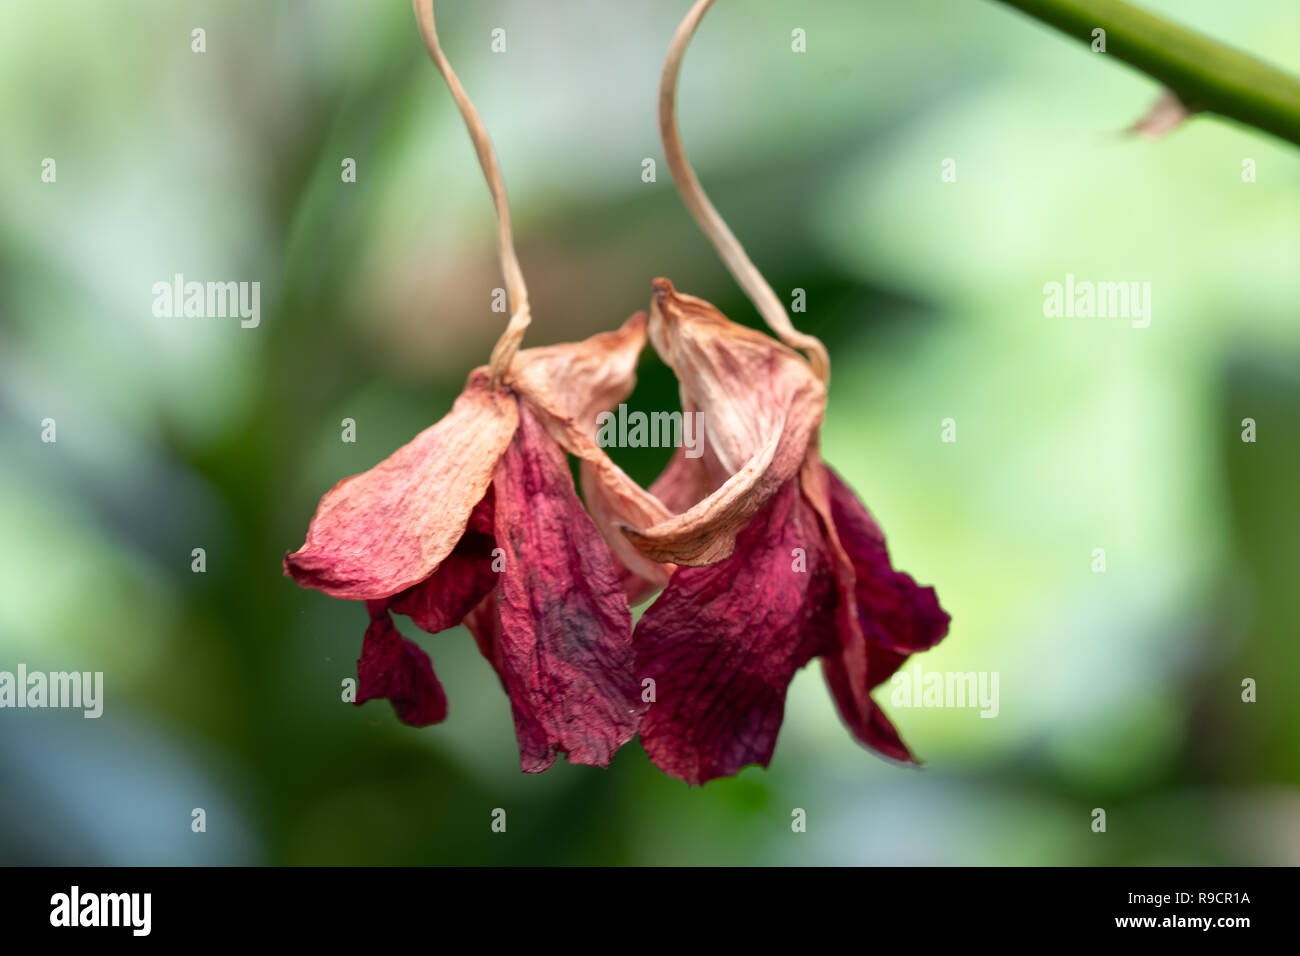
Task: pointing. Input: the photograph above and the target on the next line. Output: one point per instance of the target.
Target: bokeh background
(1119, 690)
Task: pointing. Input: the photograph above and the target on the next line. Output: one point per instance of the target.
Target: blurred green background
(1119, 690)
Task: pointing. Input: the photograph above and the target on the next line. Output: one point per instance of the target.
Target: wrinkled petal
(484, 622)
(565, 628)
(683, 483)
(892, 617)
(895, 611)
(389, 528)
(462, 580)
(391, 666)
(567, 386)
(639, 576)
(862, 714)
(852, 652)
(723, 642)
(761, 405)
(604, 365)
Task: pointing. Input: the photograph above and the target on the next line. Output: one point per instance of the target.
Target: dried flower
(477, 520)
(765, 557)
(780, 564)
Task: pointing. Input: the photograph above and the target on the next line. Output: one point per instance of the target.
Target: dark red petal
(565, 629)
(393, 667)
(863, 715)
(860, 660)
(567, 387)
(895, 611)
(484, 622)
(723, 642)
(851, 649)
(882, 664)
(461, 581)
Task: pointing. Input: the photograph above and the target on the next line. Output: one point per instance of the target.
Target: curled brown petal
(683, 483)
(761, 405)
(574, 381)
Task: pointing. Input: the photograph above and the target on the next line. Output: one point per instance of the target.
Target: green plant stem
(1203, 73)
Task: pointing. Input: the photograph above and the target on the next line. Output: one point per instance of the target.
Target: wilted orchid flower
(477, 520)
(777, 560)
(778, 565)
(479, 514)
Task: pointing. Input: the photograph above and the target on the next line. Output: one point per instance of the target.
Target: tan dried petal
(1165, 115)
(386, 529)
(762, 405)
(568, 386)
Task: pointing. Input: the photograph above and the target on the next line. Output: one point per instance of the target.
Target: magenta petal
(393, 667)
(895, 612)
(723, 642)
(462, 580)
(565, 630)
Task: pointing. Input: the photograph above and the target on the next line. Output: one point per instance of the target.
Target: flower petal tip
(392, 667)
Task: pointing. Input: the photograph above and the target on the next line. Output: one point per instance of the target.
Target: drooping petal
(723, 642)
(462, 580)
(895, 611)
(862, 714)
(604, 366)
(565, 628)
(386, 529)
(568, 386)
(761, 405)
(851, 654)
(892, 615)
(391, 666)
(484, 622)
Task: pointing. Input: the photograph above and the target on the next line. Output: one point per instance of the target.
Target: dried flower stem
(724, 240)
(504, 351)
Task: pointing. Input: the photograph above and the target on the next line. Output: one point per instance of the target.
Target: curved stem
(504, 351)
(744, 271)
(1204, 74)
